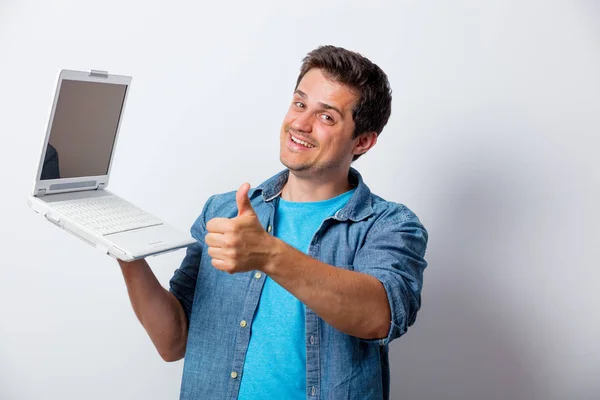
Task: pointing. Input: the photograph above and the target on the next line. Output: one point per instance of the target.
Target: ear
(364, 143)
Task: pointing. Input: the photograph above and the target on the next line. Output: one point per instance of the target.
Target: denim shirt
(368, 235)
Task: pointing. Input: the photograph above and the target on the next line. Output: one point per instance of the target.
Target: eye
(299, 104)
(327, 118)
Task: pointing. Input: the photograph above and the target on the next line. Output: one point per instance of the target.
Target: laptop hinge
(101, 186)
(98, 73)
(41, 192)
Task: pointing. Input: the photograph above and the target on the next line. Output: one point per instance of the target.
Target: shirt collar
(357, 208)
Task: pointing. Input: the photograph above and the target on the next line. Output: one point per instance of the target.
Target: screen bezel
(62, 185)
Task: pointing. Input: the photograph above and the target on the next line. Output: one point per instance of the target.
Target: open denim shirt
(368, 235)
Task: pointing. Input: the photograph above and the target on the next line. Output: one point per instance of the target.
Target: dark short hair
(362, 76)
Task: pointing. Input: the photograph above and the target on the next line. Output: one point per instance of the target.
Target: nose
(303, 122)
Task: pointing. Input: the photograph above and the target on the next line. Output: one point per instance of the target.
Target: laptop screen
(83, 130)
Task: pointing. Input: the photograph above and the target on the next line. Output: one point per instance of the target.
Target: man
(296, 287)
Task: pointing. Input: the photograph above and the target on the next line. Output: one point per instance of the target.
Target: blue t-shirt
(275, 365)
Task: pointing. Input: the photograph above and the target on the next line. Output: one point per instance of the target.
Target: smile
(302, 142)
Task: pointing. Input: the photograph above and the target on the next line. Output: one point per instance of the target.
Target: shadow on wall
(461, 346)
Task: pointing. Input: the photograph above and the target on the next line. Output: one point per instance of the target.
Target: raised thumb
(243, 201)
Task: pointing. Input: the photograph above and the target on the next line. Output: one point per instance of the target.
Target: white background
(493, 142)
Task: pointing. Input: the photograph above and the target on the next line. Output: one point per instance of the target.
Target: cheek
(287, 121)
(328, 139)
(338, 146)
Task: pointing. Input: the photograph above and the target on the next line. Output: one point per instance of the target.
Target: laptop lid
(82, 132)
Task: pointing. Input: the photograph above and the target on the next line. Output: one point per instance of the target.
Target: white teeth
(302, 142)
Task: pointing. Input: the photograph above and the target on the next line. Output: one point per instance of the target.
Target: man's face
(316, 134)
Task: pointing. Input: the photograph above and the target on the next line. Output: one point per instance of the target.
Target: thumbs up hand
(239, 244)
(243, 201)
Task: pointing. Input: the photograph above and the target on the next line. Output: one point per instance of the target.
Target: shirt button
(243, 323)
(312, 391)
(312, 339)
(257, 275)
(269, 228)
(233, 375)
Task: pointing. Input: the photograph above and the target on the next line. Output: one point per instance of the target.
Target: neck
(303, 189)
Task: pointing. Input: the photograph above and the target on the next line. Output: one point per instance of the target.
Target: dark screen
(83, 130)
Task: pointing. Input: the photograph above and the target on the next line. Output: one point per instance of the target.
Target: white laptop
(71, 183)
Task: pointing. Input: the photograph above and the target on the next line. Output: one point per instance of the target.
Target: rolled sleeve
(183, 282)
(394, 253)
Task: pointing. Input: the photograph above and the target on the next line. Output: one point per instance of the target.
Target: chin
(294, 167)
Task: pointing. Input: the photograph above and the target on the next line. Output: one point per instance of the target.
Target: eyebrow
(322, 105)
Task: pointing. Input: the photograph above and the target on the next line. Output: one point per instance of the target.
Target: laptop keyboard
(106, 214)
